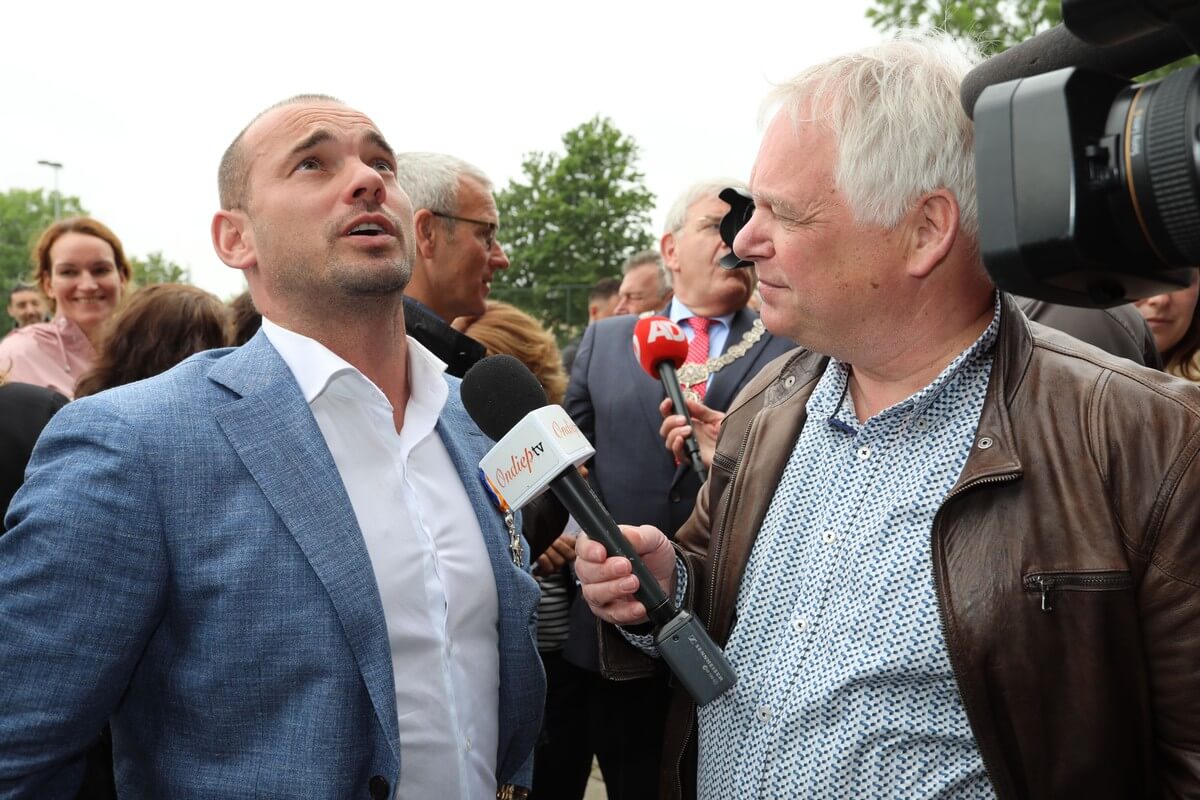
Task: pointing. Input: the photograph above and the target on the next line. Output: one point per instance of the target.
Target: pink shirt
(53, 354)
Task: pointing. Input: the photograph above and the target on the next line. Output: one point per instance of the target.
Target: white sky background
(138, 100)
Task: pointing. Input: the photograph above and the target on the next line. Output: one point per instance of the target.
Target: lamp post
(56, 166)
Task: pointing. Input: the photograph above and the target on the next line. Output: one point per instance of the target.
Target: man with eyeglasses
(455, 222)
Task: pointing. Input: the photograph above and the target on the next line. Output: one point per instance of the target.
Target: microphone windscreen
(1058, 48)
(657, 339)
(498, 392)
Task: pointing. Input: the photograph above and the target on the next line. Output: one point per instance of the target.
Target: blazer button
(379, 787)
(675, 497)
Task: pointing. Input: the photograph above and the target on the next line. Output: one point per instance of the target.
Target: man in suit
(616, 404)
(645, 284)
(454, 227)
(274, 568)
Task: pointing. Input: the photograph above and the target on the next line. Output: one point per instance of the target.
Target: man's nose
(496, 258)
(750, 244)
(367, 185)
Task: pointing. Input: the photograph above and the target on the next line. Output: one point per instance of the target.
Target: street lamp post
(56, 166)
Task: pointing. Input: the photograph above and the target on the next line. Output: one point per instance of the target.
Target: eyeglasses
(490, 228)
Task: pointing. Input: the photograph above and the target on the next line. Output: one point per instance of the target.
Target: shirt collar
(829, 396)
(316, 367)
(678, 312)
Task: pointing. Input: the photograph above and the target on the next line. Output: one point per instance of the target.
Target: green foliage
(995, 24)
(24, 214)
(155, 268)
(570, 221)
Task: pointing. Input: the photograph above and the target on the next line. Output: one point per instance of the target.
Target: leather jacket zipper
(718, 565)
(1046, 583)
(940, 592)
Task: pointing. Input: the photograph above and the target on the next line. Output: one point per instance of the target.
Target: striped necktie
(698, 351)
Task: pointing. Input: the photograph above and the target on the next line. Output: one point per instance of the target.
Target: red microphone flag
(657, 339)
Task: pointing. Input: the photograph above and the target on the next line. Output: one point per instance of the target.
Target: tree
(156, 268)
(24, 214)
(571, 221)
(995, 25)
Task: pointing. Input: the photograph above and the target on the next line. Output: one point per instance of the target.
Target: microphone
(539, 447)
(661, 346)
(1058, 48)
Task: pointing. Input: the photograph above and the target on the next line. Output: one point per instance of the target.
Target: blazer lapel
(728, 381)
(276, 436)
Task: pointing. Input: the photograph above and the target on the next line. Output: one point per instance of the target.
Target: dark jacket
(24, 411)
(1081, 490)
(1120, 330)
(459, 351)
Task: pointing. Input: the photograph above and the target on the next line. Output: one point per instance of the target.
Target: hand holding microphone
(704, 426)
(661, 347)
(538, 447)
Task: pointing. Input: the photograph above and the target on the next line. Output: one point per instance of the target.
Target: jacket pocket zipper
(1046, 583)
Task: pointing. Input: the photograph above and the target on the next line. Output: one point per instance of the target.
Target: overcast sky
(138, 100)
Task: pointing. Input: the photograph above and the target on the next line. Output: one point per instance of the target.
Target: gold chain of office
(691, 374)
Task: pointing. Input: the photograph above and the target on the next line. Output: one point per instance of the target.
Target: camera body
(1087, 186)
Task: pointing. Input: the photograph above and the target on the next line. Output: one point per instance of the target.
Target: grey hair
(895, 113)
(677, 214)
(431, 180)
(653, 257)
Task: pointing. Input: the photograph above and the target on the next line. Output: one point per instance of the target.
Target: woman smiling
(80, 265)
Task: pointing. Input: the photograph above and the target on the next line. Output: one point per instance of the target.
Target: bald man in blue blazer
(208, 560)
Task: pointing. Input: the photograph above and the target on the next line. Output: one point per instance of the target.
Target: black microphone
(502, 396)
(661, 347)
(1058, 48)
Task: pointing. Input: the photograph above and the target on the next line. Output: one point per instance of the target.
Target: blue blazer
(184, 559)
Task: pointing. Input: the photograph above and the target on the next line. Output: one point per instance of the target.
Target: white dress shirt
(430, 562)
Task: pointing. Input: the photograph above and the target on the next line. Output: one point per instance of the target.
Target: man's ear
(233, 239)
(934, 225)
(426, 231)
(669, 254)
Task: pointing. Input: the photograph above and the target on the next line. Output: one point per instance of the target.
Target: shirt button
(800, 624)
(829, 537)
(763, 713)
(468, 744)
(922, 424)
(864, 453)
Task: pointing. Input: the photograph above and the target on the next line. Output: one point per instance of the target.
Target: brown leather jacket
(1066, 564)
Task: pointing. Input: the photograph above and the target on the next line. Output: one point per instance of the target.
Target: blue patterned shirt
(845, 687)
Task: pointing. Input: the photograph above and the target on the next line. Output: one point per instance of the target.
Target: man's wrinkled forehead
(282, 129)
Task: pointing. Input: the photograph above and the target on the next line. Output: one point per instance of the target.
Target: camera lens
(1161, 157)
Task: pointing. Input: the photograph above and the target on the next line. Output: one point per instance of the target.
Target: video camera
(1088, 184)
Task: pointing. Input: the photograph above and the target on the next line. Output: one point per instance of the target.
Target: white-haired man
(615, 404)
(949, 552)
(455, 222)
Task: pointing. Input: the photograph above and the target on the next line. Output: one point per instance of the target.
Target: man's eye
(308, 164)
(383, 165)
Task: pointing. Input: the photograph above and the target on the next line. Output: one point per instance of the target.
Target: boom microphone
(538, 447)
(661, 346)
(1058, 48)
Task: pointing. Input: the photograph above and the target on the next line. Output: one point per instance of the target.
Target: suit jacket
(184, 558)
(24, 411)
(459, 351)
(615, 403)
